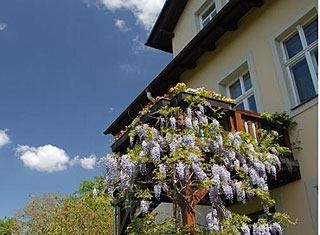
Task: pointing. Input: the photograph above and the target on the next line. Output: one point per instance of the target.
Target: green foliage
(80, 213)
(278, 120)
(9, 226)
(147, 226)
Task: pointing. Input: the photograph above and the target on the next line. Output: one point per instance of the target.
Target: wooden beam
(198, 196)
(255, 3)
(230, 25)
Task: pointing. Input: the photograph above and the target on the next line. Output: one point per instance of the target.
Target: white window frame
(304, 53)
(201, 9)
(242, 66)
(285, 82)
(210, 17)
(243, 98)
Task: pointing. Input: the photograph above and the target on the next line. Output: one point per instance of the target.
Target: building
(264, 53)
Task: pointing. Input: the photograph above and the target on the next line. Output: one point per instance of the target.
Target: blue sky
(68, 68)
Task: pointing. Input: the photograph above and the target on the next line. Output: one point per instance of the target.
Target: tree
(9, 226)
(183, 155)
(87, 211)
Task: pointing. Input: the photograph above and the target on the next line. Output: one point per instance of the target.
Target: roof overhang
(205, 41)
(162, 32)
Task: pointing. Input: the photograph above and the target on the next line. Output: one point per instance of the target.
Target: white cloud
(121, 25)
(49, 158)
(3, 26)
(88, 162)
(46, 158)
(145, 11)
(130, 68)
(4, 138)
(139, 47)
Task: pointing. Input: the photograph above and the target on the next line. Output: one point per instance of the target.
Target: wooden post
(239, 121)
(188, 204)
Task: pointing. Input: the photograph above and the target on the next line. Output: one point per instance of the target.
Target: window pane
(208, 12)
(240, 106)
(252, 103)
(293, 45)
(235, 90)
(208, 15)
(303, 80)
(247, 81)
(311, 31)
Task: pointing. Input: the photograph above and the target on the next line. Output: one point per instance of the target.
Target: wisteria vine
(187, 147)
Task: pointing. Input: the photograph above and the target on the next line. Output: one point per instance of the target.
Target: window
(207, 15)
(241, 90)
(206, 12)
(301, 61)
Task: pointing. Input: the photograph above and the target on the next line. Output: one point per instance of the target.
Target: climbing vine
(184, 155)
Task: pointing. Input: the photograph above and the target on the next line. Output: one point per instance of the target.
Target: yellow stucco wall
(252, 39)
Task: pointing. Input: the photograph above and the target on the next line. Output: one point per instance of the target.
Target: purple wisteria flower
(212, 221)
(165, 188)
(145, 206)
(175, 143)
(146, 146)
(143, 168)
(262, 184)
(216, 181)
(199, 172)
(275, 228)
(110, 164)
(215, 124)
(173, 122)
(201, 108)
(157, 191)
(162, 122)
(188, 123)
(260, 229)
(213, 194)
(224, 174)
(241, 195)
(188, 140)
(141, 130)
(227, 190)
(131, 140)
(253, 176)
(189, 112)
(245, 229)
(201, 117)
(194, 158)
(195, 124)
(155, 152)
(180, 167)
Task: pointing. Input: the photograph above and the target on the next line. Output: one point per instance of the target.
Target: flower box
(179, 100)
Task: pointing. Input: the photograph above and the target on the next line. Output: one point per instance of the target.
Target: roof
(226, 20)
(162, 32)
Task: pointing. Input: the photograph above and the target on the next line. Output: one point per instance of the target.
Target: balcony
(232, 120)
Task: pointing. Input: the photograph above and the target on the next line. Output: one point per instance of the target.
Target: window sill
(304, 106)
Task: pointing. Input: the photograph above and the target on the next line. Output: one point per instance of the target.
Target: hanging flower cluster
(187, 148)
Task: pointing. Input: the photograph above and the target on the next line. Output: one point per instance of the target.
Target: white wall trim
(245, 63)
